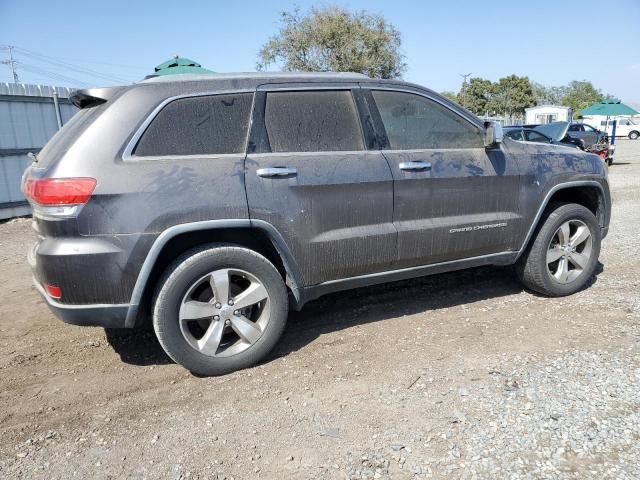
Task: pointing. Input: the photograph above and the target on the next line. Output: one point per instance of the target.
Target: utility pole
(464, 88)
(12, 63)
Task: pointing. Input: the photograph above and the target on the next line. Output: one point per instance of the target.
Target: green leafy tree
(511, 95)
(475, 95)
(453, 96)
(581, 94)
(332, 39)
(548, 95)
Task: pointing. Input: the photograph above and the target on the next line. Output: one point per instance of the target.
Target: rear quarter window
(206, 125)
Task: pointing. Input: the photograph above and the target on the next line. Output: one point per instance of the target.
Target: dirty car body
(372, 199)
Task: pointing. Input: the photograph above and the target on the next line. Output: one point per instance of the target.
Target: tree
(453, 96)
(581, 94)
(476, 95)
(511, 95)
(332, 39)
(548, 95)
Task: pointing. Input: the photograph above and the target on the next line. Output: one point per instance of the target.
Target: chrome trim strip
(410, 269)
(127, 154)
(372, 87)
(313, 154)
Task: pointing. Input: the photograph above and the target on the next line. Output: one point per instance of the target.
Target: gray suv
(212, 204)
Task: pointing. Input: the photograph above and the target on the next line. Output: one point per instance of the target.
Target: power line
(69, 66)
(51, 75)
(11, 62)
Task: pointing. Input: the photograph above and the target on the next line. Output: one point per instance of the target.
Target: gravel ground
(461, 375)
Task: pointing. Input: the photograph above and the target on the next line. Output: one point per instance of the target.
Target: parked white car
(626, 127)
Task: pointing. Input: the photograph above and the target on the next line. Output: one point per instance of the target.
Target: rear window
(210, 125)
(309, 121)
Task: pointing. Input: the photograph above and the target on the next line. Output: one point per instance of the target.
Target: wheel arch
(588, 193)
(259, 236)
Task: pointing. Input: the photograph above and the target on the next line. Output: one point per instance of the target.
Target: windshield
(553, 130)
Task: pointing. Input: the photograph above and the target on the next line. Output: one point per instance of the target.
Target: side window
(515, 134)
(208, 125)
(575, 128)
(537, 137)
(415, 122)
(312, 121)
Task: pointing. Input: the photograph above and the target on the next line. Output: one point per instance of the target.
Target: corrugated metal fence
(29, 116)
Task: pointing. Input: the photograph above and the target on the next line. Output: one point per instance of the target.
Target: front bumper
(97, 315)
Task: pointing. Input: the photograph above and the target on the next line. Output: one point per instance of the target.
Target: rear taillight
(58, 191)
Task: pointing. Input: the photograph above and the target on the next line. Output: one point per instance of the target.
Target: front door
(453, 198)
(309, 175)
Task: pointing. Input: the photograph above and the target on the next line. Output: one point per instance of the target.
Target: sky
(89, 43)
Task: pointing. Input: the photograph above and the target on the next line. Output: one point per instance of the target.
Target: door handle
(276, 172)
(415, 165)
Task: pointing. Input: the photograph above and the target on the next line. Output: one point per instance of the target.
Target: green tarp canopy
(179, 65)
(608, 108)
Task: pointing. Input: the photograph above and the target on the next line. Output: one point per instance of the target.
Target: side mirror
(492, 134)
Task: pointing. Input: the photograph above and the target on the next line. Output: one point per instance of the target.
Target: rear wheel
(634, 135)
(564, 252)
(220, 309)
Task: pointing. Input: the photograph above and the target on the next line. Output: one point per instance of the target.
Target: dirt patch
(434, 377)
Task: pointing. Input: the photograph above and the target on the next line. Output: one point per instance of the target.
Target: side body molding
(547, 198)
(293, 276)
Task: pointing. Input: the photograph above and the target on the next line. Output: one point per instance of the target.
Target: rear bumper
(97, 315)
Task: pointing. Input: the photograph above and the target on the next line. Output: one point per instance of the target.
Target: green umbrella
(608, 108)
(179, 65)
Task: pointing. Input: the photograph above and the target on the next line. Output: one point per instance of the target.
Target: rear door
(453, 198)
(310, 175)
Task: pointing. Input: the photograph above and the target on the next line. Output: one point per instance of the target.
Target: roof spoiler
(91, 97)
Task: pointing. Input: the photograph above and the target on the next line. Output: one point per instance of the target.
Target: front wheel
(564, 252)
(220, 308)
(634, 135)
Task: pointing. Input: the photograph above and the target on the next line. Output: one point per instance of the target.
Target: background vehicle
(625, 127)
(554, 133)
(587, 134)
(525, 135)
(214, 202)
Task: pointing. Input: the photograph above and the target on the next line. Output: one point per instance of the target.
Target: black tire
(634, 135)
(532, 267)
(610, 161)
(175, 283)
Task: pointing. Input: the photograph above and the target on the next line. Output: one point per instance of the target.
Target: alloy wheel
(224, 312)
(569, 251)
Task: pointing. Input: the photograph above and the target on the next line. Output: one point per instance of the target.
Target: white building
(547, 114)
